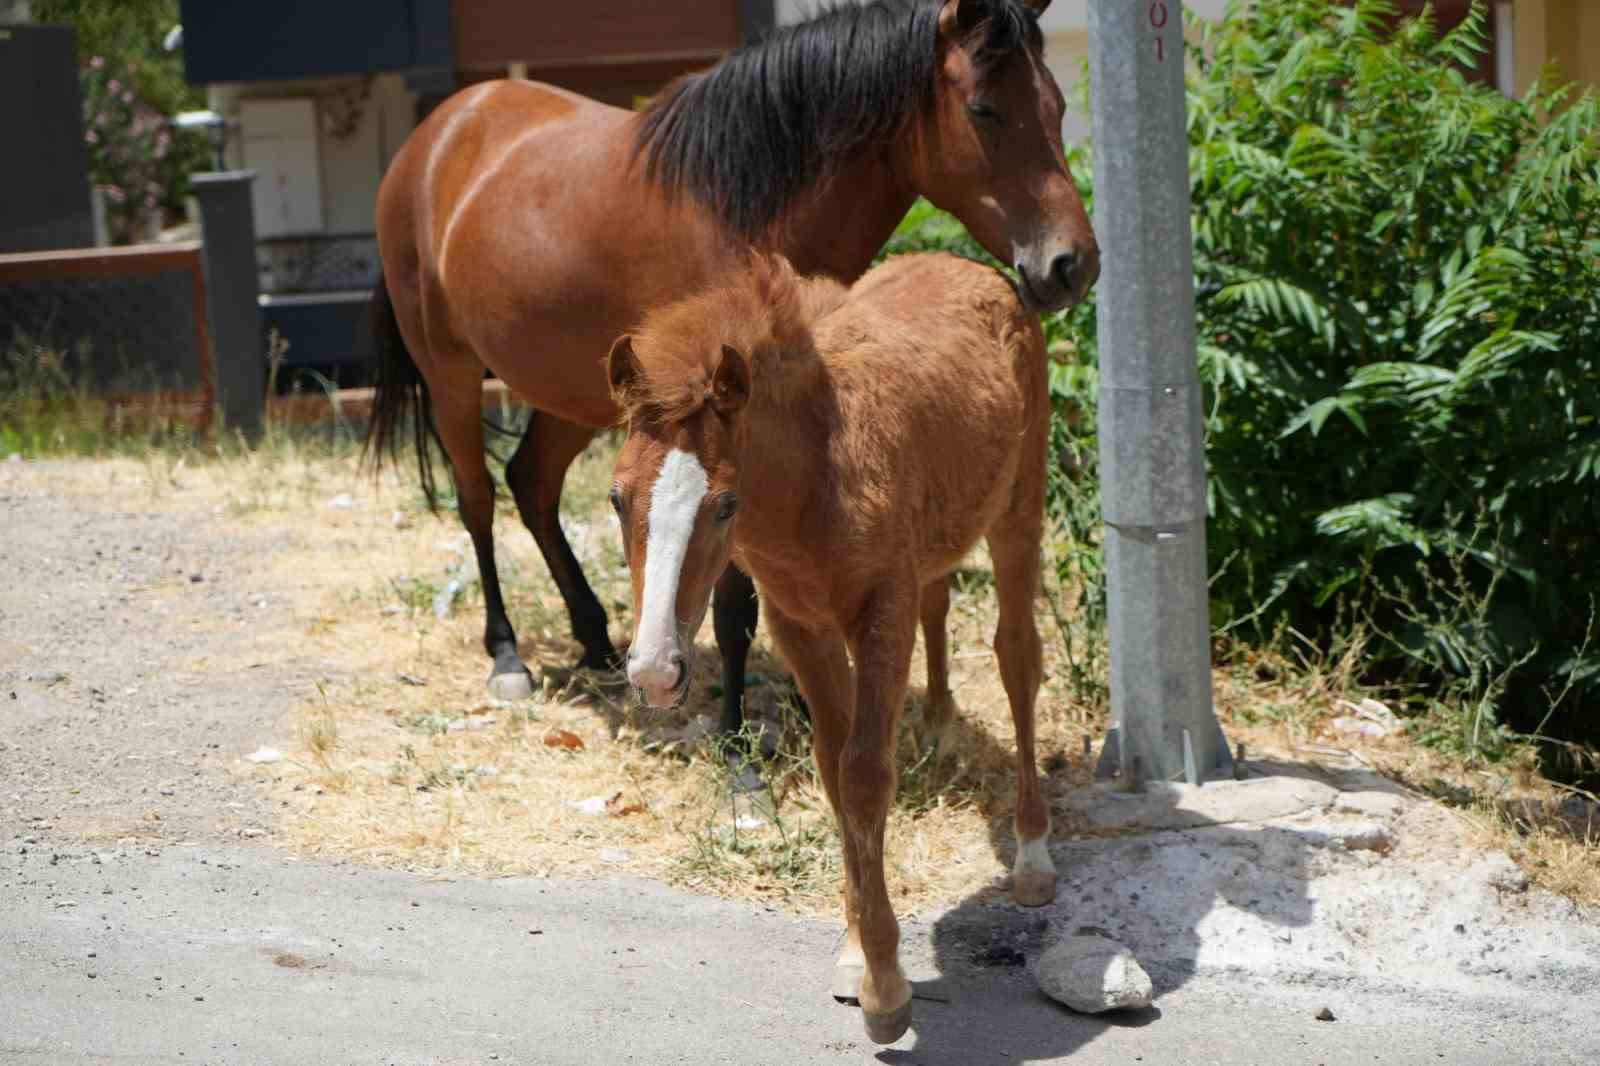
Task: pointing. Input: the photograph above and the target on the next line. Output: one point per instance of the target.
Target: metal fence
(333, 262)
(129, 323)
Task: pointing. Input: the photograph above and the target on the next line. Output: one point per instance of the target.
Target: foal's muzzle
(661, 681)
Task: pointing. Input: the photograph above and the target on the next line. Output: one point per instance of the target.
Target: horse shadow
(1154, 891)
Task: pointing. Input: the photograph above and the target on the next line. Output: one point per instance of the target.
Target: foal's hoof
(1033, 889)
(846, 986)
(888, 1027)
(511, 685)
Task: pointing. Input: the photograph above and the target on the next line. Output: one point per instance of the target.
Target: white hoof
(1033, 876)
(516, 685)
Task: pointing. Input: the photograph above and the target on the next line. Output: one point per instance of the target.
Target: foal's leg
(884, 634)
(535, 474)
(1015, 551)
(458, 412)
(823, 672)
(938, 706)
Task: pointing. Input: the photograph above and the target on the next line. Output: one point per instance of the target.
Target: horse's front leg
(882, 642)
(822, 670)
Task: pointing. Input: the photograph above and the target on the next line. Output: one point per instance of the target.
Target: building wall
(351, 155)
(1566, 32)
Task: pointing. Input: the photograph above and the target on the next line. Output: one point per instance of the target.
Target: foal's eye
(727, 506)
(983, 111)
(616, 500)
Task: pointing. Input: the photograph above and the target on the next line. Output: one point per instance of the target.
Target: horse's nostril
(1063, 267)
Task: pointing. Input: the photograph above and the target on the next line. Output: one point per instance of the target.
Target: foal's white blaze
(675, 499)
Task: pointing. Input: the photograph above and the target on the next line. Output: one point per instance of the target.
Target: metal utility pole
(1152, 466)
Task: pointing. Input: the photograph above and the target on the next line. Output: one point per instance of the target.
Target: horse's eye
(983, 111)
(616, 499)
(728, 505)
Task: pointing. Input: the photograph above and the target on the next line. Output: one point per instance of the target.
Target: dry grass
(400, 759)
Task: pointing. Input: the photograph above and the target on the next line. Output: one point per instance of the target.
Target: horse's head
(675, 492)
(989, 149)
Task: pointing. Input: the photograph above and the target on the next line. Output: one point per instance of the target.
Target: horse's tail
(400, 396)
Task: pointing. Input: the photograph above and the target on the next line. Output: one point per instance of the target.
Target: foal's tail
(400, 396)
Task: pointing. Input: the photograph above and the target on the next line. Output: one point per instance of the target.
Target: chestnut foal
(846, 448)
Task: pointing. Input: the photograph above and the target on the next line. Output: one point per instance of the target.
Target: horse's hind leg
(1015, 552)
(535, 474)
(938, 705)
(458, 411)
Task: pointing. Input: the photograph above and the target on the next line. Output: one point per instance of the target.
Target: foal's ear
(622, 366)
(957, 17)
(730, 385)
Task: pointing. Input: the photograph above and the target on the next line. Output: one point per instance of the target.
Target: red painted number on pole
(1158, 19)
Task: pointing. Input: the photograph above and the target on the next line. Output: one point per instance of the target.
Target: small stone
(264, 755)
(1092, 974)
(1365, 836)
(196, 577)
(1325, 1015)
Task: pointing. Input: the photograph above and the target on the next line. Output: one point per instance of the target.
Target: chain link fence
(127, 323)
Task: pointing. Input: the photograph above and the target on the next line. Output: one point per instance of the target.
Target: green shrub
(1398, 275)
(1398, 296)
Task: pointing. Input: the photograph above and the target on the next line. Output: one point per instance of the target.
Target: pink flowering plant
(134, 160)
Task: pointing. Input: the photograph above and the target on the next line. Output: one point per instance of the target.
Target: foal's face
(990, 152)
(675, 491)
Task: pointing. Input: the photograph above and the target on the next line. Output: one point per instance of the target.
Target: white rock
(342, 501)
(264, 754)
(1092, 974)
(592, 805)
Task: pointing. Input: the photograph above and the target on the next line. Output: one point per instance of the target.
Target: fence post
(1152, 466)
(239, 359)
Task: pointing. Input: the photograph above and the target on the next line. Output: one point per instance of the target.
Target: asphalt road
(173, 954)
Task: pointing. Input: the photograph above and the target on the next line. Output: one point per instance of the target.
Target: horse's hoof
(1033, 889)
(847, 982)
(512, 685)
(890, 1026)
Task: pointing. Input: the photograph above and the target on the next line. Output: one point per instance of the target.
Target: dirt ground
(291, 603)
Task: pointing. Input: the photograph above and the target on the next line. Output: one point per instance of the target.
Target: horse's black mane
(745, 137)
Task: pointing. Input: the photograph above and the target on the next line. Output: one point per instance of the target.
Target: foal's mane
(766, 311)
(771, 119)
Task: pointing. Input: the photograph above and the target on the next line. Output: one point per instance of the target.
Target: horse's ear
(622, 366)
(1036, 6)
(730, 385)
(957, 17)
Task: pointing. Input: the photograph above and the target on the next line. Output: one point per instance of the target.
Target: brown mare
(846, 449)
(522, 228)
